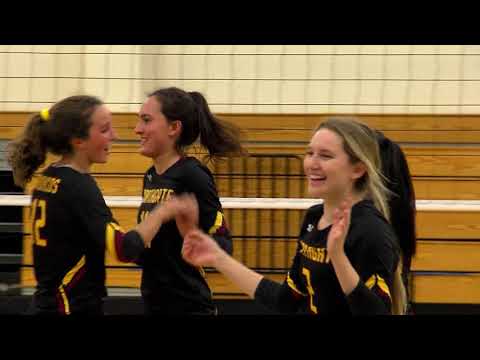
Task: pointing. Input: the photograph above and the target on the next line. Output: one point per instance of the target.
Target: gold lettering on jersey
(314, 253)
(47, 184)
(153, 196)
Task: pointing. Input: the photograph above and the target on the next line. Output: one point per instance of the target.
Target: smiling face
(329, 171)
(157, 134)
(101, 135)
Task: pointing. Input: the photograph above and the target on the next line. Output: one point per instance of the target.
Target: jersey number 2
(39, 222)
(306, 272)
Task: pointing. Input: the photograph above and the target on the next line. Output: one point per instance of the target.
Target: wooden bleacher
(443, 155)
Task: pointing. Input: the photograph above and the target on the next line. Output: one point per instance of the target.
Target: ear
(175, 128)
(359, 169)
(77, 144)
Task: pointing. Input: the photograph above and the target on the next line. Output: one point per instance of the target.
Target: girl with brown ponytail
(71, 225)
(170, 120)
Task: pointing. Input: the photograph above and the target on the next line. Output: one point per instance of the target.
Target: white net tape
(260, 203)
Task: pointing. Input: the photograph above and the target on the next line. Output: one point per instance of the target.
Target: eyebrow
(321, 150)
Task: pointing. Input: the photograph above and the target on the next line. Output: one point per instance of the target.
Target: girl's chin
(315, 193)
(102, 160)
(145, 152)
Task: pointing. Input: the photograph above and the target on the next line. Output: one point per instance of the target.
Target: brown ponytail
(28, 152)
(219, 137)
(50, 130)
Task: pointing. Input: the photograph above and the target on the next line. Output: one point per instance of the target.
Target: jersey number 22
(39, 222)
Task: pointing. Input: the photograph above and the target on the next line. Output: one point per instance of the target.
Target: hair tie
(45, 114)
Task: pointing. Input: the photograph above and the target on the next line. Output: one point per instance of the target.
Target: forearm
(347, 276)
(149, 227)
(246, 279)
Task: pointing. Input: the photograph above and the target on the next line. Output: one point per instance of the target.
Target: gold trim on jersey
(376, 279)
(292, 285)
(217, 224)
(47, 184)
(110, 230)
(66, 280)
(66, 305)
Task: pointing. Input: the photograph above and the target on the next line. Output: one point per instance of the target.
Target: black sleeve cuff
(133, 245)
(362, 301)
(275, 296)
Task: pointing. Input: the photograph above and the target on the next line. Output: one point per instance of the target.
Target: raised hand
(183, 208)
(186, 213)
(340, 226)
(199, 249)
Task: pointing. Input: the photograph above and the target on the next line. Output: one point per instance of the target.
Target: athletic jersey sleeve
(200, 181)
(278, 297)
(285, 297)
(90, 208)
(372, 295)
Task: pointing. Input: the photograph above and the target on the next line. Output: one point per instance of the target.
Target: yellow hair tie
(45, 115)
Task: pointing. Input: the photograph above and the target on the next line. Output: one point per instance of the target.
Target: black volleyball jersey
(169, 284)
(311, 285)
(71, 228)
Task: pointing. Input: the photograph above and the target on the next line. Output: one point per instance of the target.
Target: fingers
(148, 243)
(189, 241)
(183, 204)
(336, 216)
(341, 215)
(345, 207)
(187, 250)
(342, 222)
(198, 237)
(193, 235)
(347, 202)
(196, 247)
